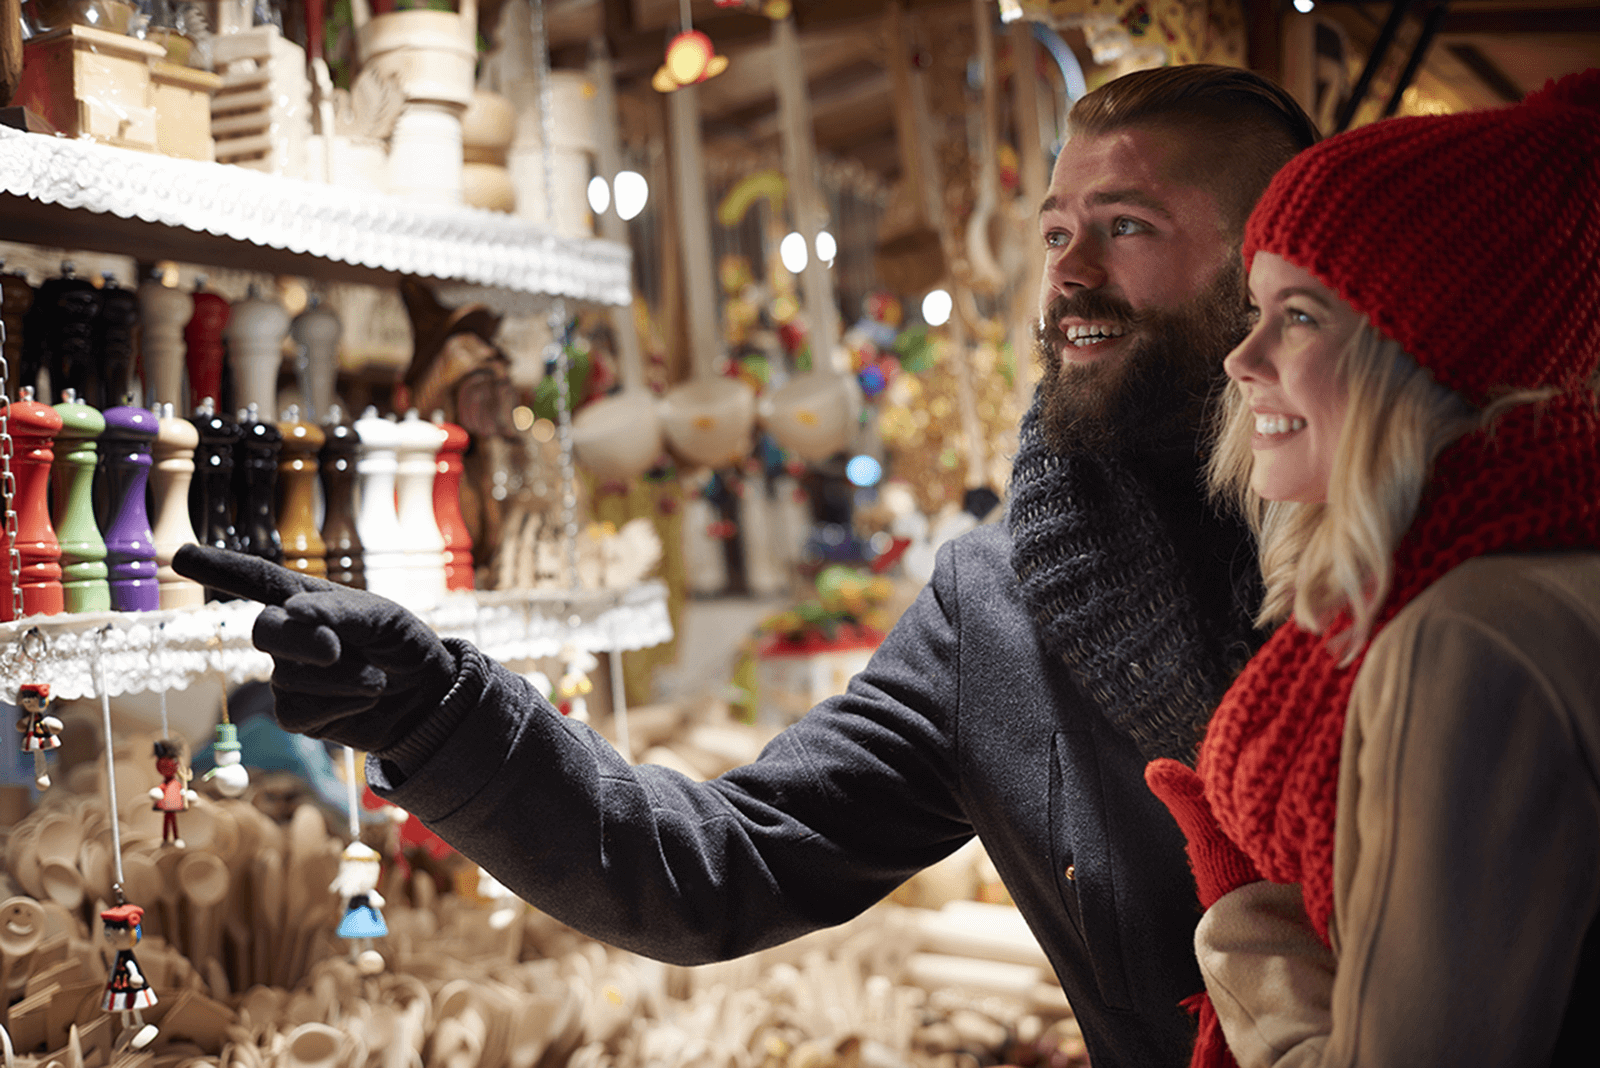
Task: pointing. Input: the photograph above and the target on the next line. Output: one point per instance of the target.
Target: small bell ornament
(40, 731)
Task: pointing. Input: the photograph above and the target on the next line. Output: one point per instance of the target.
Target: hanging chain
(8, 481)
(558, 307)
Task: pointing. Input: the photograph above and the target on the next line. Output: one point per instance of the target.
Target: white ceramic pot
(428, 52)
(618, 437)
(814, 414)
(709, 420)
(425, 154)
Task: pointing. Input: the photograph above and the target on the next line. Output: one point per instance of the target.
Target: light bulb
(793, 252)
(632, 193)
(827, 247)
(1304, 6)
(599, 195)
(936, 308)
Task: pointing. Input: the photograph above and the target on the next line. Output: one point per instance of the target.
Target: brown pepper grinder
(303, 549)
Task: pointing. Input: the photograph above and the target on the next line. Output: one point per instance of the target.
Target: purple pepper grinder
(130, 545)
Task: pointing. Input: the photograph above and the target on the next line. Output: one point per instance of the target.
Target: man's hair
(1240, 127)
(1317, 559)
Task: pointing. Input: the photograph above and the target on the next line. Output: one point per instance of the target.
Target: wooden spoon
(22, 925)
(203, 880)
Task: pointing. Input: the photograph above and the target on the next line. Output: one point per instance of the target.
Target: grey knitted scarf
(1136, 582)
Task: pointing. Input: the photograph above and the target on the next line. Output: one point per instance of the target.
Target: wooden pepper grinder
(202, 340)
(109, 377)
(176, 441)
(447, 506)
(163, 314)
(303, 549)
(316, 331)
(16, 297)
(341, 542)
(83, 550)
(33, 427)
(130, 544)
(418, 464)
(211, 493)
(255, 332)
(383, 547)
(255, 482)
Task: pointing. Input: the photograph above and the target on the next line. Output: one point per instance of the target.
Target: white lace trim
(171, 649)
(331, 222)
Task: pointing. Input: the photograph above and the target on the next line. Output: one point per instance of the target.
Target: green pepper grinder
(83, 550)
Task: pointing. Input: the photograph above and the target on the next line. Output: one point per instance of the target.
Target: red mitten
(1219, 865)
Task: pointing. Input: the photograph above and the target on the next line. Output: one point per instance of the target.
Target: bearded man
(1051, 656)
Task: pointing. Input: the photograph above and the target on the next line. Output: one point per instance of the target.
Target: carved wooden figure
(255, 332)
(255, 481)
(127, 991)
(383, 547)
(229, 774)
(341, 542)
(316, 331)
(447, 506)
(202, 339)
(176, 441)
(303, 548)
(130, 543)
(174, 794)
(40, 730)
(83, 550)
(33, 429)
(211, 493)
(418, 459)
(109, 377)
(361, 922)
(164, 312)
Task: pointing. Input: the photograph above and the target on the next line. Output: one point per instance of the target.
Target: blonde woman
(1394, 821)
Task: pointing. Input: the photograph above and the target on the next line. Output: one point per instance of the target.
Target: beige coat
(1467, 852)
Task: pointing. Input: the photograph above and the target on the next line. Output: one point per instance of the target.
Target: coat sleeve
(1467, 864)
(836, 812)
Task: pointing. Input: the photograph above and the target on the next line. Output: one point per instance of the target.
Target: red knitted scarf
(1270, 760)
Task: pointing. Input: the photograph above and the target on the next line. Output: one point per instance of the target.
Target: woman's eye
(1252, 314)
(1296, 317)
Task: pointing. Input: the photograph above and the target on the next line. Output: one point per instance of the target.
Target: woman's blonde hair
(1317, 559)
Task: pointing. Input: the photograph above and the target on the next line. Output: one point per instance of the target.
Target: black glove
(348, 666)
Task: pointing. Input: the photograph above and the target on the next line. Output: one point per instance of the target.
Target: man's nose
(1077, 265)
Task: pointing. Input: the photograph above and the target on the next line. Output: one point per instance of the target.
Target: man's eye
(1124, 226)
(1055, 239)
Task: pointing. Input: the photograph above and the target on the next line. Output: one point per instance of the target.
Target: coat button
(1071, 873)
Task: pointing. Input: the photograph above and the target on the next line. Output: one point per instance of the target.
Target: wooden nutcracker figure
(127, 990)
(40, 732)
(174, 794)
(357, 884)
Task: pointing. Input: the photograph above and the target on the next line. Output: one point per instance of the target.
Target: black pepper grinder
(58, 333)
(211, 492)
(16, 297)
(255, 481)
(338, 463)
(108, 376)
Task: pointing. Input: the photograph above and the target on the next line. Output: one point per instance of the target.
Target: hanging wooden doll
(230, 774)
(127, 990)
(572, 692)
(357, 883)
(173, 795)
(40, 732)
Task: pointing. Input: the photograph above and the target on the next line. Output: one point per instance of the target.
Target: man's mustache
(1088, 305)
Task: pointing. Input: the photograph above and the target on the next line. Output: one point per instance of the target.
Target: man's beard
(1156, 394)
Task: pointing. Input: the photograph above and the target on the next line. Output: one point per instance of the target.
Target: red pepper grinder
(37, 564)
(447, 506)
(202, 340)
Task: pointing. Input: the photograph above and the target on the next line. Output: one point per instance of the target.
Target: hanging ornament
(357, 883)
(691, 58)
(229, 772)
(174, 794)
(571, 693)
(40, 731)
(127, 991)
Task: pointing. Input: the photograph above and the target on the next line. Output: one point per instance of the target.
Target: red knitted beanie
(1473, 240)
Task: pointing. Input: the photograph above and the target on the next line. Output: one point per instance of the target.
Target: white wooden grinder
(419, 529)
(163, 313)
(383, 546)
(173, 453)
(255, 332)
(316, 331)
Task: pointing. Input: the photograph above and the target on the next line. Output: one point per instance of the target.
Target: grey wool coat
(962, 724)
